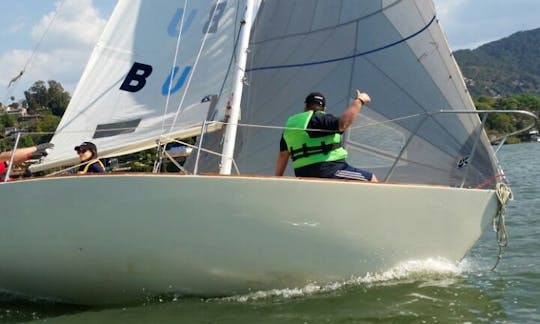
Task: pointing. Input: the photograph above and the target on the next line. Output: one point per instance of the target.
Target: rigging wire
(14, 80)
(195, 65)
(188, 82)
(160, 157)
(161, 151)
(177, 51)
(233, 57)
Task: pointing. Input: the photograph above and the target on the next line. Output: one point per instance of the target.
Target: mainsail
(160, 68)
(153, 234)
(395, 51)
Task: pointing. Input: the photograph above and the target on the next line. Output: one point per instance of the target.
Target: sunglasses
(81, 151)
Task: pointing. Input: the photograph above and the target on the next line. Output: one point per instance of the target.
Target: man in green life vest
(312, 139)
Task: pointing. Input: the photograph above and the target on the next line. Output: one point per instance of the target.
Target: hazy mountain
(504, 67)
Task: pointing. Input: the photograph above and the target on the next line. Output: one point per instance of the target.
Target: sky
(63, 53)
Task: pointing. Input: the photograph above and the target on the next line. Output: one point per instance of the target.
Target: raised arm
(349, 115)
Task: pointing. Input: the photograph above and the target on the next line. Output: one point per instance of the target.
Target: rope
(13, 81)
(504, 194)
(195, 65)
(159, 153)
(178, 42)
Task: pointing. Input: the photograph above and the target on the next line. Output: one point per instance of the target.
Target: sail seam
(288, 66)
(318, 30)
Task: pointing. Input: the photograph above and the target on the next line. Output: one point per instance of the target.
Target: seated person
(316, 153)
(88, 156)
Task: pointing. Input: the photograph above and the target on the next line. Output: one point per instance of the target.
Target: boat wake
(432, 271)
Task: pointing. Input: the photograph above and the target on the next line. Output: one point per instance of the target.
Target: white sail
(114, 238)
(395, 51)
(122, 101)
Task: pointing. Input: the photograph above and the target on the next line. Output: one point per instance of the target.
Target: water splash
(436, 271)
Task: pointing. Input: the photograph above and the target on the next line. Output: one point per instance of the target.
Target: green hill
(504, 67)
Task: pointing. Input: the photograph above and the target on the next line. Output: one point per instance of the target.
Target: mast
(238, 84)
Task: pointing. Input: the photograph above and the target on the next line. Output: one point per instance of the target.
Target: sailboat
(231, 72)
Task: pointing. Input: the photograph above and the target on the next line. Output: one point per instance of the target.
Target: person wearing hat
(312, 139)
(88, 156)
(21, 155)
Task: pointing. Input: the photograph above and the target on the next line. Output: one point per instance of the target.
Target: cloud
(446, 9)
(14, 28)
(77, 24)
(63, 52)
(64, 65)
(470, 23)
(449, 17)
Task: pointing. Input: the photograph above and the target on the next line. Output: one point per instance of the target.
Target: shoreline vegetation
(45, 102)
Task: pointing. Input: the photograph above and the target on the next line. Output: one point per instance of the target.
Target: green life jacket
(305, 150)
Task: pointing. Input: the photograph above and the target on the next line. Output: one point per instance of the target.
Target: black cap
(315, 98)
(87, 146)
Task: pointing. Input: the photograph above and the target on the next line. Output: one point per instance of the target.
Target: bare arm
(349, 115)
(21, 154)
(281, 163)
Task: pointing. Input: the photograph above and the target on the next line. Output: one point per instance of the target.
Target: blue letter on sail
(179, 83)
(136, 77)
(174, 25)
(216, 13)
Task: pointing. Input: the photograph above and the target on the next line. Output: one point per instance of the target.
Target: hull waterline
(119, 238)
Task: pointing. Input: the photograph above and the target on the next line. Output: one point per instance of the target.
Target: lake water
(425, 291)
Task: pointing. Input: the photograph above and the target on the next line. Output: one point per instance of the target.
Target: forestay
(393, 50)
(150, 49)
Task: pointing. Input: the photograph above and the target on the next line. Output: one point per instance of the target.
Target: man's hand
(41, 150)
(349, 115)
(38, 154)
(44, 146)
(363, 97)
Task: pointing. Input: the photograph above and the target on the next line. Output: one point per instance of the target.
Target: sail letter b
(136, 77)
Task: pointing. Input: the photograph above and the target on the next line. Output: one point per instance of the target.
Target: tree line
(46, 102)
(500, 124)
(507, 66)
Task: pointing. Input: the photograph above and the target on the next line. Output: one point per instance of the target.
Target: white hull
(118, 238)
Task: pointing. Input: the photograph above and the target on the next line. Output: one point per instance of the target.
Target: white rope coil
(504, 194)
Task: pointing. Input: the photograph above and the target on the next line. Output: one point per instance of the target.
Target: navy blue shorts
(353, 173)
